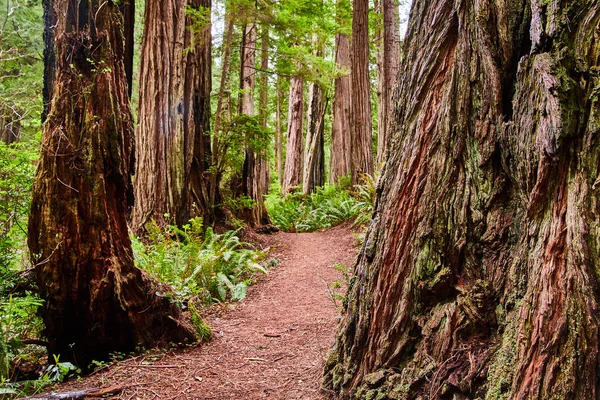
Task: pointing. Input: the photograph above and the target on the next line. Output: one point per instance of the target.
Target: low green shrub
(198, 262)
(329, 206)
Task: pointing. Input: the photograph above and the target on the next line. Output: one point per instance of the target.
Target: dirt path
(272, 345)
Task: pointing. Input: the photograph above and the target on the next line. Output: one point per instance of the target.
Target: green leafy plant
(329, 206)
(58, 371)
(198, 262)
(18, 320)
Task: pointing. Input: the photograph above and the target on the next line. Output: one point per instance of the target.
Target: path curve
(272, 345)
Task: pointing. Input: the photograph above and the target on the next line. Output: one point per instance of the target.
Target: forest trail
(272, 345)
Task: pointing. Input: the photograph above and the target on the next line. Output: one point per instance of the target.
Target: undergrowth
(329, 206)
(199, 263)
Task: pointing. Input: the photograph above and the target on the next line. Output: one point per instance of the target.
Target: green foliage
(329, 206)
(17, 167)
(242, 132)
(337, 289)
(17, 321)
(58, 371)
(21, 61)
(200, 263)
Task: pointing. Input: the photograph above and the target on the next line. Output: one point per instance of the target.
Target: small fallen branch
(79, 394)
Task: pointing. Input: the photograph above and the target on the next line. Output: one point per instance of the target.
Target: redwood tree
(388, 60)
(292, 174)
(341, 156)
(95, 300)
(255, 174)
(360, 123)
(172, 138)
(479, 274)
(313, 175)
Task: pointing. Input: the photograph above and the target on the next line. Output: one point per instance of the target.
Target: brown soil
(271, 345)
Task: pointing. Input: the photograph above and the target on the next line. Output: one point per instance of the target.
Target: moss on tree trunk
(479, 277)
(95, 300)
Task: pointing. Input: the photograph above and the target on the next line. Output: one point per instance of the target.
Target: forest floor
(271, 345)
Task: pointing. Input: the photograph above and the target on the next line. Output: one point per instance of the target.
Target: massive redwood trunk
(95, 300)
(172, 138)
(479, 274)
(341, 156)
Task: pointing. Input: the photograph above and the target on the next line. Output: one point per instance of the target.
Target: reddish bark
(479, 275)
(172, 139)
(95, 300)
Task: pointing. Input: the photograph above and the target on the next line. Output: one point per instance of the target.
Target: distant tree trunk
(292, 174)
(218, 156)
(341, 156)
(361, 124)
(279, 135)
(50, 20)
(255, 165)
(388, 63)
(479, 274)
(127, 8)
(314, 152)
(173, 142)
(95, 300)
(10, 125)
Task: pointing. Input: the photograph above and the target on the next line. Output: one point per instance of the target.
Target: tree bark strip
(479, 275)
(279, 134)
(95, 300)
(341, 156)
(255, 171)
(361, 123)
(388, 63)
(128, 10)
(314, 152)
(292, 174)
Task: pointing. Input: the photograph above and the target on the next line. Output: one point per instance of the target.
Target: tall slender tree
(50, 20)
(292, 175)
(279, 133)
(341, 155)
(361, 124)
(314, 150)
(388, 61)
(95, 300)
(173, 141)
(255, 170)
(479, 275)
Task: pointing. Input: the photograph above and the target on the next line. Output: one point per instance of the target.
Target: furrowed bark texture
(127, 8)
(95, 300)
(172, 137)
(49, 56)
(479, 275)
(292, 174)
(255, 174)
(314, 152)
(341, 156)
(361, 124)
